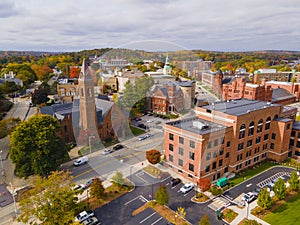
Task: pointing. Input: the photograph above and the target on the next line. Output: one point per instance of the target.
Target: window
(273, 136)
(216, 142)
(207, 168)
(222, 140)
(180, 151)
(208, 156)
(298, 135)
(214, 165)
(171, 147)
(227, 155)
(292, 142)
(220, 162)
(260, 126)
(171, 137)
(180, 162)
(221, 151)
(242, 131)
(191, 167)
(272, 146)
(215, 154)
(239, 157)
(266, 137)
(288, 126)
(249, 143)
(228, 144)
(293, 134)
(209, 144)
(226, 169)
(181, 140)
(268, 123)
(257, 141)
(240, 146)
(298, 144)
(192, 155)
(170, 158)
(251, 129)
(192, 144)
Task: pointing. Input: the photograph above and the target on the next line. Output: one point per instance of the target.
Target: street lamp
(13, 195)
(247, 210)
(1, 160)
(90, 143)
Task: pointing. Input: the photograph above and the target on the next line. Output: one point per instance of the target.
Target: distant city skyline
(215, 25)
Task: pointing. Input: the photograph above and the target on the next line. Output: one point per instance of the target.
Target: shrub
(257, 211)
(215, 191)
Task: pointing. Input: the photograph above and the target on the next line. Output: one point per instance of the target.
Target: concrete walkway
(244, 214)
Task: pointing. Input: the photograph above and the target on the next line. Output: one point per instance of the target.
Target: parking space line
(156, 221)
(188, 193)
(132, 200)
(147, 217)
(165, 178)
(142, 197)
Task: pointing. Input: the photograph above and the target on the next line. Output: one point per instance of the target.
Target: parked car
(256, 192)
(249, 197)
(143, 126)
(187, 187)
(91, 221)
(107, 151)
(117, 147)
(142, 138)
(84, 215)
(138, 119)
(89, 182)
(79, 187)
(150, 121)
(81, 160)
(148, 135)
(175, 181)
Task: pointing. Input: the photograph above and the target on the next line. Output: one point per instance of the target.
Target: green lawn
(250, 173)
(136, 131)
(287, 213)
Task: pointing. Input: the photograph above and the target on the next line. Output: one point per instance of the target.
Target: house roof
(281, 94)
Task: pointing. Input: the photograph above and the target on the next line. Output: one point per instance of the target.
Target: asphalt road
(123, 207)
(251, 184)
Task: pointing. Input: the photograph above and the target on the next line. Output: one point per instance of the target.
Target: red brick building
(227, 137)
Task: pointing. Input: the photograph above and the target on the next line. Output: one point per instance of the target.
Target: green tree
(40, 96)
(181, 212)
(251, 222)
(294, 181)
(97, 189)
(204, 220)
(118, 179)
(9, 87)
(264, 200)
(8, 125)
(153, 156)
(162, 195)
(51, 201)
(280, 189)
(35, 147)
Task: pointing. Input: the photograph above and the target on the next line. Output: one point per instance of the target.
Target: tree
(204, 220)
(153, 156)
(162, 195)
(181, 212)
(35, 147)
(264, 200)
(51, 201)
(118, 180)
(8, 125)
(39, 96)
(280, 189)
(204, 184)
(294, 181)
(9, 87)
(97, 189)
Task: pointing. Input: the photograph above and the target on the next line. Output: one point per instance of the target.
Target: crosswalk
(264, 183)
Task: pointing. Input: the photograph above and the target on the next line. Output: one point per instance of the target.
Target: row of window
(213, 166)
(257, 141)
(181, 140)
(248, 162)
(259, 128)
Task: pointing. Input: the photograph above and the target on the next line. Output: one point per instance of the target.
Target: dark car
(117, 147)
(143, 126)
(175, 181)
(137, 119)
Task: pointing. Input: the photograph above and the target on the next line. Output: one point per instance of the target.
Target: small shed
(222, 182)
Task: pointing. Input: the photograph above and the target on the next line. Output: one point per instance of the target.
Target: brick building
(227, 137)
(66, 90)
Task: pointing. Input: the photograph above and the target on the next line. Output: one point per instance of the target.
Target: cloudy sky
(223, 25)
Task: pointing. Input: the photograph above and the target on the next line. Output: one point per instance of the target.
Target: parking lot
(260, 181)
(146, 186)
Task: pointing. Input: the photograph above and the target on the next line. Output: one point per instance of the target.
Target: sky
(217, 25)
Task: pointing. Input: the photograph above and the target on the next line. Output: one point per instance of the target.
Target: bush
(215, 191)
(257, 211)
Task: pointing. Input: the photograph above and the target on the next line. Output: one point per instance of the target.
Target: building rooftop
(197, 126)
(239, 106)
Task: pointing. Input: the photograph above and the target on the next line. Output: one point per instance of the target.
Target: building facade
(228, 136)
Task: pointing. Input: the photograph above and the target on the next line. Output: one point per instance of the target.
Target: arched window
(251, 129)
(89, 92)
(242, 131)
(276, 117)
(268, 123)
(260, 125)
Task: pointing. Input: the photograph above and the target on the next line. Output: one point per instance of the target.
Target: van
(81, 161)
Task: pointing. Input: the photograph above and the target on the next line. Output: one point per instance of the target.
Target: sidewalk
(243, 214)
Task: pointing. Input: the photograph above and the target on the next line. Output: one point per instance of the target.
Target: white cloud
(206, 24)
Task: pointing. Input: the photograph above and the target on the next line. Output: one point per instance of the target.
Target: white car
(84, 215)
(150, 121)
(248, 197)
(91, 221)
(187, 187)
(81, 160)
(142, 138)
(107, 151)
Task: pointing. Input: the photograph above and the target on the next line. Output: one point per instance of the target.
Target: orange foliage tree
(153, 156)
(204, 184)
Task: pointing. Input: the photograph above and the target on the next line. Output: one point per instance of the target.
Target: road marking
(156, 221)
(147, 217)
(142, 197)
(165, 178)
(139, 176)
(133, 200)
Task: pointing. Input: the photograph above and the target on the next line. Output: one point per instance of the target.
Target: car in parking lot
(91, 221)
(117, 147)
(150, 121)
(142, 138)
(143, 126)
(256, 191)
(79, 187)
(187, 187)
(107, 151)
(84, 215)
(175, 181)
(89, 182)
(249, 197)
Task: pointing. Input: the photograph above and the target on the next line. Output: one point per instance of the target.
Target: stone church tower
(87, 106)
